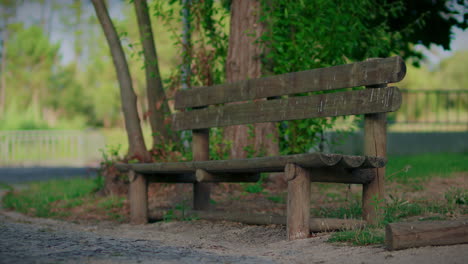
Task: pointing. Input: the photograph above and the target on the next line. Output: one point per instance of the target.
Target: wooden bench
(206, 107)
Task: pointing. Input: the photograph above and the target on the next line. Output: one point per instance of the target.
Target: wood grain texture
(138, 197)
(377, 71)
(426, 233)
(293, 108)
(375, 144)
(298, 205)
(263, 164)
(201, 151)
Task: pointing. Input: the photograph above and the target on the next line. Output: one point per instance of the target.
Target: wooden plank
(298, 206)
(138, 198)
(375, 144)
(426, 233)
(375, 71)
(352, 161)
(322, 105)
(262, 164)
(201, 151)
(204, 176)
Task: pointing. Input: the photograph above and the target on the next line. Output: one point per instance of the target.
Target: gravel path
(26, 239)
(38, 243)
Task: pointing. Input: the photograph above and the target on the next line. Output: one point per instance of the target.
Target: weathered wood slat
(377, 100)
(138, 198)
(351, 161)
(376, 71)
(264, 164)
(427, 233)
(298, 209)
(375, 144)
(201, 152)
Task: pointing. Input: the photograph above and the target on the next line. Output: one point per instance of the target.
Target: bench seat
(324, 167)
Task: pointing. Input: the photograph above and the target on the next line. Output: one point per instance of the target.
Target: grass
(38, 197)
(359, 237)
(409, 168)
(396, 210)
(58, 198)
(5, 186)
(412, 171)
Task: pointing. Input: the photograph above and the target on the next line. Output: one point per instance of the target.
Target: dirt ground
(241, 243)
(201, 241)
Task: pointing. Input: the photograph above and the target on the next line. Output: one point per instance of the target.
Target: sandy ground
(223, 242)
(25, 239)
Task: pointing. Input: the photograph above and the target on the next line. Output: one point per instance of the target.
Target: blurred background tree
(56, 71)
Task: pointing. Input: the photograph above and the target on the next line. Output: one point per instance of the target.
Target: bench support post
(375, 144)
(138, 196)
(200, 147)
(298, 211)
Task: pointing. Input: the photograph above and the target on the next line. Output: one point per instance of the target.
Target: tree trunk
(157, 103)
(136, 142)
(243, 63)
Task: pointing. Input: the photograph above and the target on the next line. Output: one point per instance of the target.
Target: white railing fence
(50, 147)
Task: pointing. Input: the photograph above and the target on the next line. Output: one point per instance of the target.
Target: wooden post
(138, 196)
(200, 146)
(375, 144)
(426, 233)
(298, 211)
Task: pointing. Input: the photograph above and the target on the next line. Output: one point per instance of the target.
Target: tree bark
(157, 103)
(243, 63)
(137, 148)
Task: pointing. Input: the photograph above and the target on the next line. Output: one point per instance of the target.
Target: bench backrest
(206, 106)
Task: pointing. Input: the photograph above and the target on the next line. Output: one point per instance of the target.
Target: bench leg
(201, 196)
(138, 196)
(372, 195)
(298, 201)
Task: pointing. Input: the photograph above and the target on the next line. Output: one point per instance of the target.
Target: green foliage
(456, 196)
(300, 38)
(277, 199)
(352, 210)
(255, 187)
(111, 201)
(179, 212)
(207, 50)
(359, 237)
(219, 148)
(19, 118)
(110, 155)
(38, 198)
(6, 186)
